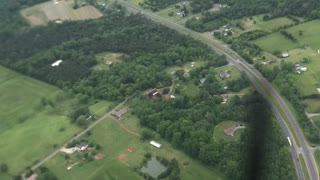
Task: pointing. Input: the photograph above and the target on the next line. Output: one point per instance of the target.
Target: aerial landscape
(159, 89)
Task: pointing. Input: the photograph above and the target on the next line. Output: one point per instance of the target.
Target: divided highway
(286, 120)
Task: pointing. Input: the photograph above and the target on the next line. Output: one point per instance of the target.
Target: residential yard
(33, 120)
(116, 141)
(187, 67)
(234, 72)
(189, 88)
(316, 121)
(218, 133)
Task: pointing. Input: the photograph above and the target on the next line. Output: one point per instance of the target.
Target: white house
(284, 55)
(155, 144)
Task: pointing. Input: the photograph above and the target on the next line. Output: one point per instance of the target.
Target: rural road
(278, 106)
(78, 136)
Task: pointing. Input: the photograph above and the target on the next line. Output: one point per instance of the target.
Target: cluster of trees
(156, 5)
(288, 36)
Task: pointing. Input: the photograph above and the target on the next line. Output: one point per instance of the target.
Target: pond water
(153, 167)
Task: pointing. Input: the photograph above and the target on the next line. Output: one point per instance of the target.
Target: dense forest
(186, 122)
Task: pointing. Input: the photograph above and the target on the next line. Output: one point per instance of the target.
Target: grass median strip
(304, 167)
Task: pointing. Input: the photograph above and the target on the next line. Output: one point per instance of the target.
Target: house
(284, 55)
(155, 144)
(119, 114)
(82, 146)
(109, 63)
(300, 69)
(88, 117)
(203, 80)
(57, 63)
(224, 74)
(172, 96)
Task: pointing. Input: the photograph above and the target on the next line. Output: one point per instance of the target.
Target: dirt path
(125, 128)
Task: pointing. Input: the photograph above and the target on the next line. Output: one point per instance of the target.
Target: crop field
(218, 133)
(115, 141)
(32, 118)
(42, 13)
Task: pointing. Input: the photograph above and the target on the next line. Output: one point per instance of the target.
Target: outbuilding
(155, 144)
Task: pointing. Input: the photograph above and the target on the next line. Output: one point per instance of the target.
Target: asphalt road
(257, 80)
(76, 137)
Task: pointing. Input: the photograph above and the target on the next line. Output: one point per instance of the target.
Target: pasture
(33, 120)
(115, 140)
(310, 33)
(269, 25)
(275, 42)
(49, 11)
(218, 133)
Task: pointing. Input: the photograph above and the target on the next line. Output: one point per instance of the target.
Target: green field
(101, 108)
(275, 41)
(312, 105)
(310, 35)
(316, 121)
(218, 133)
(115, 141)
(30, 126)
(317, 157)
(187, 67)
(190, 89)
(265, 25)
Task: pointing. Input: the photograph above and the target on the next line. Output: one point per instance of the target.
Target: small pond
(153, 167)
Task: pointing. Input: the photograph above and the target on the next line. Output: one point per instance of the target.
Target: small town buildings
(57, 63)
(155, 144)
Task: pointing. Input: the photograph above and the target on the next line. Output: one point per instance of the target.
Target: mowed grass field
(218, 133)
(115, 140)
(265, 25)
(310, 33)
(28, 128)
(42, 13)
(274, 42)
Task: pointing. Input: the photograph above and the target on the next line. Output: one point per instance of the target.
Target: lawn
(190, 89)
(218, 133)
(29, 126)
(101, 108)
(186, 67)
(234, 72)
(274, 42)
(115, 141)
(316, 121)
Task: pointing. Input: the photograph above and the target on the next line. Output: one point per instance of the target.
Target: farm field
(218, 133)
(42, 13)
(33, 120)
(115, 141)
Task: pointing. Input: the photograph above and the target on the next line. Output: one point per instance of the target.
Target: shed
(155, 144)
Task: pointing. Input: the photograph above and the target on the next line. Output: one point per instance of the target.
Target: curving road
(286, 120)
